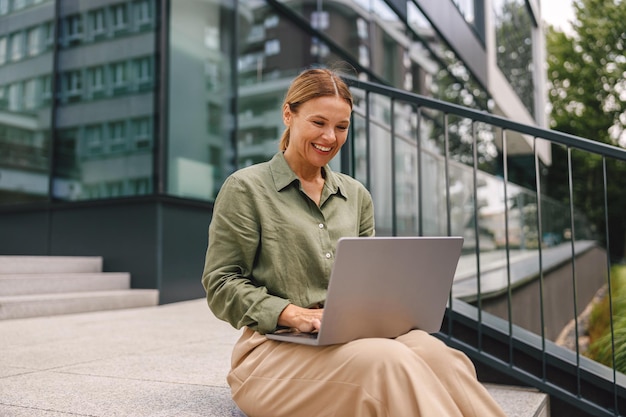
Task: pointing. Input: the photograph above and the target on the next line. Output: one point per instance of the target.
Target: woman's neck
(306, 172)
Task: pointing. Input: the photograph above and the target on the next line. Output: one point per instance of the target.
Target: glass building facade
(119, 120)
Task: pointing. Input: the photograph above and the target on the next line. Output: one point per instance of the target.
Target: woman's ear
(286, 115)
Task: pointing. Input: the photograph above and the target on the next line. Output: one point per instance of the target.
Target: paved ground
(169, 360)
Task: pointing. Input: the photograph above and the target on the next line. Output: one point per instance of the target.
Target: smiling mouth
(321, 148)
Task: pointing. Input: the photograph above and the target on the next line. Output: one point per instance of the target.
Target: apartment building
(119, 120)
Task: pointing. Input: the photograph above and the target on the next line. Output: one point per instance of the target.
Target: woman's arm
(234, 236)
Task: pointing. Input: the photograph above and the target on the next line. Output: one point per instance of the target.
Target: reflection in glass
(437, 70)
(514, 54)
(200, 96)
(104, 88)
(25, 101)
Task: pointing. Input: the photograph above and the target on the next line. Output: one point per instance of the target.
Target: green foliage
(601, 343)
(587, 92)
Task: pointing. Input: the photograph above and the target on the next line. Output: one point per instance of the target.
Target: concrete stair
(520, 401)
(34, 286)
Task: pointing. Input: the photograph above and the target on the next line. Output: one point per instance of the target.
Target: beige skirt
(414, 375)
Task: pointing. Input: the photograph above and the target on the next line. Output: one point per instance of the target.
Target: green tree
(587, 92)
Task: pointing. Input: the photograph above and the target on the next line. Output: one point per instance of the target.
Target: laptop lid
(386, 286)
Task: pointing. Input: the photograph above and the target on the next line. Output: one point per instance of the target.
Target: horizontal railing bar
(482, 116)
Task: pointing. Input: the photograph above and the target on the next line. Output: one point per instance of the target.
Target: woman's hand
(306, 320)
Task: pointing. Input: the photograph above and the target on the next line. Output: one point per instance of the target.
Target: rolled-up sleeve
(234, 237)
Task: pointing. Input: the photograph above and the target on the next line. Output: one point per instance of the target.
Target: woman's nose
(330, 133)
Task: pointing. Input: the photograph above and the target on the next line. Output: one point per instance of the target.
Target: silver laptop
(384, 287)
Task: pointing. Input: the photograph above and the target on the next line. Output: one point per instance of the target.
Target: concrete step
(49, 264)
(24, 306)
(520, 401)
(25, 284)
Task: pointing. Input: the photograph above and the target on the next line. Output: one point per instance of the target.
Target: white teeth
(322, 148)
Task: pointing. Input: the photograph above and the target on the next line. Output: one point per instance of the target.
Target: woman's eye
(319, 123)
(342, 127)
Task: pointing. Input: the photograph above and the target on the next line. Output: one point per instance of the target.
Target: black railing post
(540, 253)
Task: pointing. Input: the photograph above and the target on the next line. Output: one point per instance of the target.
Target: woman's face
(317, 131)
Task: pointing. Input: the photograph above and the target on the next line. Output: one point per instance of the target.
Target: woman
(271, 247)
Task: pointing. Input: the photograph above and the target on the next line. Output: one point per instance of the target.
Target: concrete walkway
(168, 360)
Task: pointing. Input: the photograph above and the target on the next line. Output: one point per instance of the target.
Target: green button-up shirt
(270, 245)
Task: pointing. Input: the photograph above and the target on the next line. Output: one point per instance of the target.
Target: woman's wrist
(303, 319)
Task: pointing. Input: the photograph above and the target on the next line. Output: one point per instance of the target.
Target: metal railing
(438, 168)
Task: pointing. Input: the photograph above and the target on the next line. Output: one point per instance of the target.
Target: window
(514, 42)
(34, 41)
(361, 28)
(320, 20)
(93, 140)
(143, 71)
(364, 55)
(212, 37)
(4, 101)
(319, 48)
(30, 94)
(19, 4)
(143, 13)
(271, 21)
(92, 191)
(114, 188)
(96, 23)
(74, 29)
(118, 14)
(17, 46)
(141, 132)
(212, 74)
(272, 47)
(48, 33)
(118, 75)
(140, 186)
(46, 89)
(15, 97)
(3, 50)
(96, 80)
(4, 7)
(73, 84)
(466, 7)
(117, 136)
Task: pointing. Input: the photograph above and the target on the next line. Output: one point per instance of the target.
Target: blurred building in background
(119, 120)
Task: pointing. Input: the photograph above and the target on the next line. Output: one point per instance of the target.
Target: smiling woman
(317, 130)
(272, 243)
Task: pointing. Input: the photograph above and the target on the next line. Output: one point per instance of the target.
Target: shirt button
(321, 225)
(328, 255)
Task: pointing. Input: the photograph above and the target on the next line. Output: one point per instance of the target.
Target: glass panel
(104, 87)
(436, 71)
(25, 106)
(4, 7)
(466, 7)
(514, 53)
(3, 49)
(381, 163)
(200, 96)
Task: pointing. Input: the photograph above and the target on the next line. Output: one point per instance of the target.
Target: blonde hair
(310, 84)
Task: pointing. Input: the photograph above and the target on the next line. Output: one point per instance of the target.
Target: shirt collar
(283, 175)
